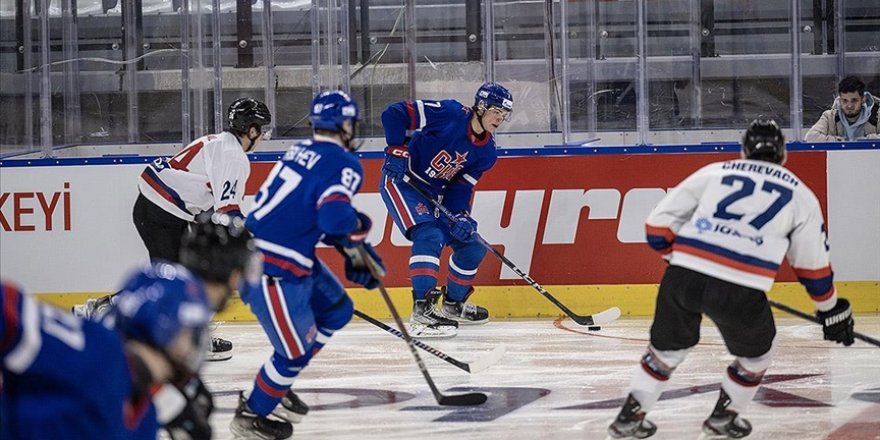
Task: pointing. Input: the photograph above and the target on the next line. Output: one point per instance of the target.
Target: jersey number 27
(747, 189)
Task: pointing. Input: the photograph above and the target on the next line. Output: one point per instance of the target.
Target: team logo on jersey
(421, 209)
(444, 167)
(703, 224)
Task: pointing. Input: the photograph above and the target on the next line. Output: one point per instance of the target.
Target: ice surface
(557, 381)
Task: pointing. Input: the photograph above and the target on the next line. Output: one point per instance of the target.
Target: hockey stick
(812, 318)
(361, 257)
(472, 367)
(602, 317)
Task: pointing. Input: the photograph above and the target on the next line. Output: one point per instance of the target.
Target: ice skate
(428, 322)
(220, 350)
(464, 312)
(292, 408)
(94, 308)
(724, 423)
(248, 425)
(631, 422)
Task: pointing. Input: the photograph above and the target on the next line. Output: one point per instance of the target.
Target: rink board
(575, 223)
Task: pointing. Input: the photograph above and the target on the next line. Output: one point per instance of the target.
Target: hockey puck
(594, 328)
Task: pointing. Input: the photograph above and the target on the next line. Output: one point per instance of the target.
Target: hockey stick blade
(469, 399)
(473, 367)
(486, 362)
(600, 318)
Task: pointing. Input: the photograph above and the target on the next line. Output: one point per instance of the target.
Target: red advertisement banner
(569, 220)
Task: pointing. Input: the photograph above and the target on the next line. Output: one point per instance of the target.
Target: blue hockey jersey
(444, 152)
(307, 194)
(64, 377)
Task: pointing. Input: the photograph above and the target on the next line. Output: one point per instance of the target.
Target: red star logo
(459, 158)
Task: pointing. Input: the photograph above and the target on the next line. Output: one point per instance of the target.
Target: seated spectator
(852, 116)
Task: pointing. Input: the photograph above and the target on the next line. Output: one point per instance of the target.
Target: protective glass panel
(841, 41)
(524, 50)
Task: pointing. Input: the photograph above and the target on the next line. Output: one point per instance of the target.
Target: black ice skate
(428, 322)
(248, 425)
(220, 350)
(464, 312)
(724, 423)
(292, 408)
(631, 422)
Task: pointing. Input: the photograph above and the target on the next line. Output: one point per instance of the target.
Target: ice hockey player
(452, 145)
(207, 176)
(65, 377)
(300, 303)
(724, 231)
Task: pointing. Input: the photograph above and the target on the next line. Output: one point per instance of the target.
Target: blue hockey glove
(837, 323)
(463, 227)
(357, 270)
(396, 160)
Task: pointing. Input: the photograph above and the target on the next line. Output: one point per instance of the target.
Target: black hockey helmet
(764, 141)
(245, 113)
(216, 245)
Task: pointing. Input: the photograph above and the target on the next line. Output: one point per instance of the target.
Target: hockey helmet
(331, 108)
(216, 245)
(495, 95)
(764, 141)
(156, 305)
(247, 112)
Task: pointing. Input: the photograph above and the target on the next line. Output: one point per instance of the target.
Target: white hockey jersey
(210, 173)
(737, 220)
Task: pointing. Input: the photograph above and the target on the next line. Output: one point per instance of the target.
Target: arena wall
(574, 222)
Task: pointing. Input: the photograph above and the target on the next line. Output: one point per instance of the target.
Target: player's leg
(745, 321)
(332, 309)
(413, 217)
(676, 329)
(282, 308)
(160, 231)
(463, 263)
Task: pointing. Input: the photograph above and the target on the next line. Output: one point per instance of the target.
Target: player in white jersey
(724, 231)
(209, 175)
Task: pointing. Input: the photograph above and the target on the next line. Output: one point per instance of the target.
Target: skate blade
(422, 332)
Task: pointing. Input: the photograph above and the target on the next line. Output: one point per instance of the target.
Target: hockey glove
(353, 238)
(837, 323)
(396, 160)
(192, 422)
(463, 227)
(357, 270)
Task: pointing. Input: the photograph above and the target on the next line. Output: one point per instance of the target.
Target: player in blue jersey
(451, 146)
(305, 199)
(155, 333)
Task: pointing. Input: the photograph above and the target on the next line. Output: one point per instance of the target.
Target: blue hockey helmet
(493, 94)
(158, 303)
(331, 108)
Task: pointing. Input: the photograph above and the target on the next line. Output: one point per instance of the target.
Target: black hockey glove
(192, 423)
(837, 323)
